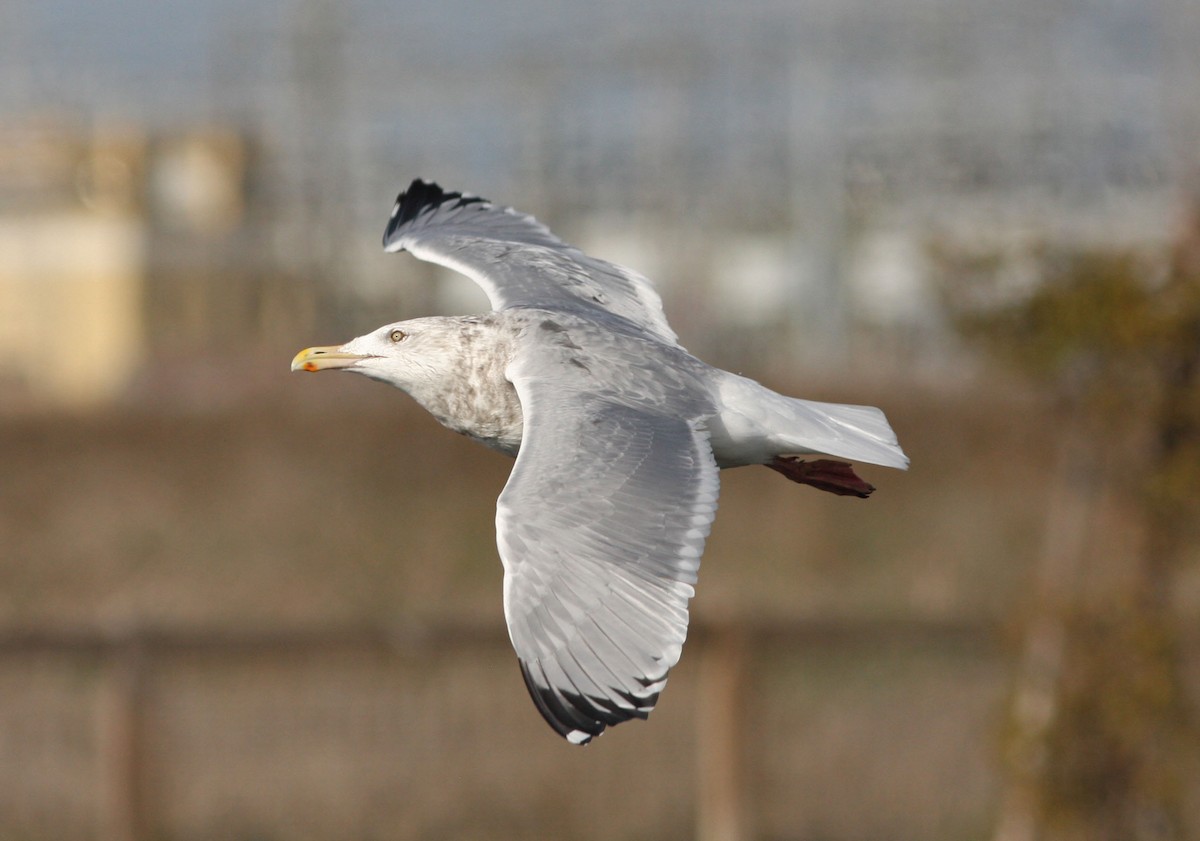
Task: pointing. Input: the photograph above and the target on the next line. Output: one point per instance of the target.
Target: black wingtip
(566, 719)
(418, 198)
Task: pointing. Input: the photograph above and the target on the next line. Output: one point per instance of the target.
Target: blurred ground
(876, 657)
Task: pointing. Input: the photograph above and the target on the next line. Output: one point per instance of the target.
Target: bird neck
(467, 392)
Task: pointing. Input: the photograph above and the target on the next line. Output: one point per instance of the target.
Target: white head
(406, 354)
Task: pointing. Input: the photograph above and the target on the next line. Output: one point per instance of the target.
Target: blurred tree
(1100, 735)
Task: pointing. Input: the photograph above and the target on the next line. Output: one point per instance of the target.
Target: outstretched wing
(516, 259)
(600, 528)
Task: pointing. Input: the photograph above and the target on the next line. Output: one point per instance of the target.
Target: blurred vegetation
(1113, 337)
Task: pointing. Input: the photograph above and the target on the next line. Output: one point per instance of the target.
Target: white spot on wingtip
(578, 737)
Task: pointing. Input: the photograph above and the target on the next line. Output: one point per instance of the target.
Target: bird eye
(397, 335)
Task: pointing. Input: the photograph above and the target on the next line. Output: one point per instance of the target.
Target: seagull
(619, 435)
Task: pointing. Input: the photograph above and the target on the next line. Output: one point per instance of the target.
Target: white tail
(756, 424)
(858, 433)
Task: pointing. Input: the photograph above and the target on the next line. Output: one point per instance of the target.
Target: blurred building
(72, 263)
(111, 243)
(752, 158)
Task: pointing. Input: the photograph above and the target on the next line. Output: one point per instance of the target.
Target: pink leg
(837, 477)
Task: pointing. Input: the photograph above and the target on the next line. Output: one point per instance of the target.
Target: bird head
(397, 354)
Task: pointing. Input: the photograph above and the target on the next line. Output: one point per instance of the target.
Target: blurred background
(240, 604)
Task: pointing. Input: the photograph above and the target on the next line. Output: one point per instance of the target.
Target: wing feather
(516, 259)
(600, 529)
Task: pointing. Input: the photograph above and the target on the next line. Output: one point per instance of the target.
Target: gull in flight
(619, 435)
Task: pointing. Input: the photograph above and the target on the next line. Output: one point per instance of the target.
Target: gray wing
(515, 259)
(600, 528)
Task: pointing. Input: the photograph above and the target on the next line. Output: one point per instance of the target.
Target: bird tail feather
(858, 433)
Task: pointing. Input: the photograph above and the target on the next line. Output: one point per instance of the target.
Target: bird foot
(836, 477)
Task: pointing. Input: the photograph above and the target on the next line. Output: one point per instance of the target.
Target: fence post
(119, 742)
(720, 810)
